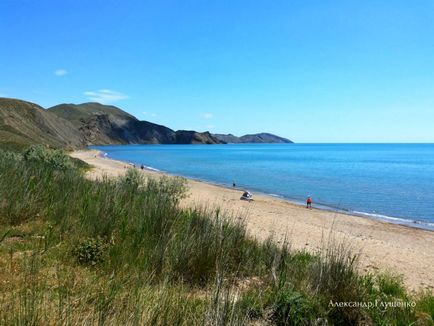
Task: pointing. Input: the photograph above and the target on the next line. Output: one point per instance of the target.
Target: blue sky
(312, 71)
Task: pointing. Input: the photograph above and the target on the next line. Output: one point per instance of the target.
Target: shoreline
(403, 221)
(382, 245)
(407, 222)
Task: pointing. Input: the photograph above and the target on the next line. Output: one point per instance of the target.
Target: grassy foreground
(122, 252)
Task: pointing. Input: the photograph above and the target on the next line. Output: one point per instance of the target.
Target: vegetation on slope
(77, 125)
(24, 123)
(122, 251)
(106, 124)
(75, 113)
(73, 126)
(264, 138)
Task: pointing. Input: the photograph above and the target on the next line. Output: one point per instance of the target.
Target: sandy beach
(385, 247)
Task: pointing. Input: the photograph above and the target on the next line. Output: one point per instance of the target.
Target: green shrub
(425, 308)
(333, 277)
(253, 305)
(133, 178)
(389, 285)
(89, 252)
(290, 307)
(54, 158)
(223, 308)
(280, 305)
(382, 289)
(8, 155)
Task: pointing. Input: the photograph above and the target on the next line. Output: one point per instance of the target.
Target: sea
(391, 182)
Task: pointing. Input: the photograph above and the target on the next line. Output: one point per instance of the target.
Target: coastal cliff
(75, 126)
(23, 123)
(79, 125)
(105, 124)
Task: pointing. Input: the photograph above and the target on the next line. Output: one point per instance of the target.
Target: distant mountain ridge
(80, 125)
(265, 138)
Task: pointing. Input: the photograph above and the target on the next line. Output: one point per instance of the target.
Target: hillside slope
(78, 125)
(104, 124)
(23, 123)
(265, 138)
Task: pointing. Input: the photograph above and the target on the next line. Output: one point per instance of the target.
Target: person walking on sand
(309, 202)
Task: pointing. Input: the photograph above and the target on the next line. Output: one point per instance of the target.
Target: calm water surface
(383, 180)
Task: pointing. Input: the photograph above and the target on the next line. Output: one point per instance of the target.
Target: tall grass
(123, 251)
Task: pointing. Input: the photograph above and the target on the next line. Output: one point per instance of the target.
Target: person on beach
(247, 196)
(309, 202)
(233, 184)
(142, 167)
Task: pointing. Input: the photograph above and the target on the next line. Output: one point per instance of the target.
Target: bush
(333, 276)
(89, 252)
(387, 288)
(54, 158)
(252, 303)
(425, 309)
(390, 286)
(280, 305)
(291, 308)
(12, 156)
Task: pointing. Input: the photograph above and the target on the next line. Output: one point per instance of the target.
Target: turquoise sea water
(386, 181)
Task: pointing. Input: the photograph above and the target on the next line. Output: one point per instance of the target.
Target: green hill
(23, 123)
(264, 138)
(76, 113)
(105, 124)
(78, 125)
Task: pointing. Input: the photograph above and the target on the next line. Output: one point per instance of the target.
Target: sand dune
(401, 250)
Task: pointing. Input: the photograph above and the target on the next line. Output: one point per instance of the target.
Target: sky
(311, 71)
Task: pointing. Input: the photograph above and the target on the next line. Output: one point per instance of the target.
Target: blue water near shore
(394, 182)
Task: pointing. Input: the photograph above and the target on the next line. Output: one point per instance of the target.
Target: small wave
(275, 195)
(396, 219)
(383, 216)
(151, 168)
